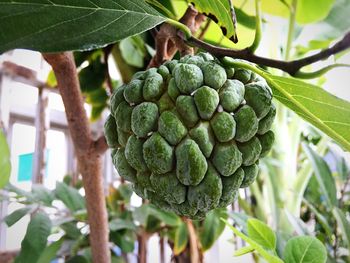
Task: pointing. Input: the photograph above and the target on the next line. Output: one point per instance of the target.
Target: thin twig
(234, 21)
(291, 67)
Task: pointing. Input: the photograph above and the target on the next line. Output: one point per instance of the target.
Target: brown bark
(168, 42)
(87, 150)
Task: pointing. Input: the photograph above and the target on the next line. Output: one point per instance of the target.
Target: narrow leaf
(5, 164)
(261, 233)
(305, 249)
(70, 197)
(17, 215)
(323, 110)
(181, 238)
(52, 26)
(35, 239)
(264, 253)
(244, 250)
(323, 175)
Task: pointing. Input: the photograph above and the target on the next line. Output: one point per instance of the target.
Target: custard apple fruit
(190, 133)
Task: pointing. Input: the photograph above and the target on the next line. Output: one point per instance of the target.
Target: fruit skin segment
(190, 133)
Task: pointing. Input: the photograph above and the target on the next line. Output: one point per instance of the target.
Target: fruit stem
(183, 28)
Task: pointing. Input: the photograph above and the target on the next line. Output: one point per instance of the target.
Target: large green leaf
(261, 233)
(212, 228)
(308, 11)
(254, 245)
(70, 197)
(57, 25)
(323, 175)
(320, 108)
(35, 239)
(219, 11)
(305, 249)
(5, 164)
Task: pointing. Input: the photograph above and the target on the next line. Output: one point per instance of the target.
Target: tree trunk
(87, 150)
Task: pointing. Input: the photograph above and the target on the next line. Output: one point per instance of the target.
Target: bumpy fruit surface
(190, 133)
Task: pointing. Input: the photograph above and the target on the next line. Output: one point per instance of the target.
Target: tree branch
(291, 67)
(168, 42)
(100, 145)
(88, 152)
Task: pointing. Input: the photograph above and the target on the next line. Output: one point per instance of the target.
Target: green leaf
(71, 230)
(264, 253)
(323, 175)
(305, 249)
(142, 213)
(323, 110)
(344, 226)
(181, 238)
(91, 78)
(244, 19)
(133, 51)
(51, 80)
(35, 239)
(125, 240)
(20, 193)
(261, 233)
(5, 163)
(320, 218)
(240, 219)
(117, 259)
(212, 228)
(119, 224)
(42, 194)
(70, 197)
(17, 215)
(50, 252)
(77, 259)
(49, 26)
(244, 250)
(309, 11)
(219, 11)
(96, 112)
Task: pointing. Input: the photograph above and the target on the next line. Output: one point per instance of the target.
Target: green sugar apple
(190, 133)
